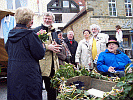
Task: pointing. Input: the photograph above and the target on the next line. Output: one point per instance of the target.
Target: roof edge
(81, 13)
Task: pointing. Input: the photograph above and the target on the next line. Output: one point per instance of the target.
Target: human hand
(54, 48)
(54, 42)
(111, 69)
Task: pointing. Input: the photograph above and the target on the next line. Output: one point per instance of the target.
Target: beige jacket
(84, 54)
(46, 63)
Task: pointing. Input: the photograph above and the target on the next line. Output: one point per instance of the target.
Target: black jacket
(72, 47)
(24, 80)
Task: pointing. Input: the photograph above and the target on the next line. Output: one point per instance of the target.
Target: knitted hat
(112, 40)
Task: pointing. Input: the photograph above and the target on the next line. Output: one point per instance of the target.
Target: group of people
(30, 61)
(90, 47)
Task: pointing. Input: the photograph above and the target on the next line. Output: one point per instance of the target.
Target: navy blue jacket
(24, 80)
(72, 47)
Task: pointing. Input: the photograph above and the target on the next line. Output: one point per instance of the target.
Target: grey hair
(69, 32)
(49, 14)
(95, 26)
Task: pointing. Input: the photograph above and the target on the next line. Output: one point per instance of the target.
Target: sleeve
(126, 60)
(107, 37)
(116, 35)
(121, 36)
(36, 48)
(78, 52)
(101, 63)
(61, 55)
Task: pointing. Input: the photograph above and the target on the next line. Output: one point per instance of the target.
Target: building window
(58, 18)
(56, 4)
(14, 4)
(112, 8)
(66, 4)
(128, 7)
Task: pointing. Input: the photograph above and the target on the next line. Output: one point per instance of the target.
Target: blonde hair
(23, 15)
(49, 14)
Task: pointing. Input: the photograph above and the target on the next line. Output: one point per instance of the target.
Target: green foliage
(126, 84)
(75, 94)
(68, 71)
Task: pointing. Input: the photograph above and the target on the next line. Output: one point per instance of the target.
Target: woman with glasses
(83, 56)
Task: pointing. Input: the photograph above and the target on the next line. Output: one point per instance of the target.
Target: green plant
(68, 71)
(125, 85)
(71, 93)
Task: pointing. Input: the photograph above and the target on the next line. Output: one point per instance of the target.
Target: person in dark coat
(72, 45)
(24, 48)
(65, 54)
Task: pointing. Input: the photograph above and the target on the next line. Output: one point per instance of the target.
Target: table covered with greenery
(122, 87)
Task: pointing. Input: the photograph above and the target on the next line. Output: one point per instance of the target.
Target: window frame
(58, 17)
(127, 3)
(14, 5)
(111, 3)
(64, 6)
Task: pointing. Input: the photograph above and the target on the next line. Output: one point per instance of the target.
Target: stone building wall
(99, 6)
(100, 16)
(78, 26)
(109, 23)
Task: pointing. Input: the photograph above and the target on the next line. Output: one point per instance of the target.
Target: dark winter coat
(24, 80)
(72, 47)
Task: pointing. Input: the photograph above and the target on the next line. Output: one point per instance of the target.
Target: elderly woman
(83, 55)
(112, 60)
(24, 48)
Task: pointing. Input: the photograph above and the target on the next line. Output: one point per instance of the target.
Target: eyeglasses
(47, 18)
(94, 29)
(86, 33)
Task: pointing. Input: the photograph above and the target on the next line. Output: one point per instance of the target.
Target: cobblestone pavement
(3, 91)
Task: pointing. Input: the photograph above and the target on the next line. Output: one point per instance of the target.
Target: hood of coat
(16, 34)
